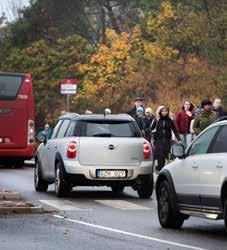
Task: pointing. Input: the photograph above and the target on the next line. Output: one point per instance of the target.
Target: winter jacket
(203, 120)
(164, 127)
(182, 122)
(141, 122)
(148, 127)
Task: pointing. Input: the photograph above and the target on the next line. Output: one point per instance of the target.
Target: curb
(10, 196)
(22, 210)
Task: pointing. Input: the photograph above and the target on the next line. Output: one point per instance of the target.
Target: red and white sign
(68, 86)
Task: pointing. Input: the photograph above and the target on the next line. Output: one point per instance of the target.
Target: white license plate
(111, 173)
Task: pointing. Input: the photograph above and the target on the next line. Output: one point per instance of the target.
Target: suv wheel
(62, 188)
(145, 188)
(40, 184)
(117, 189)
(225, 214)
(167, 214)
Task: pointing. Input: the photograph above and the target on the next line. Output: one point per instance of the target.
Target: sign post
(68, 87)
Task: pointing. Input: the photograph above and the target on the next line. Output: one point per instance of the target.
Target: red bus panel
(16, 116)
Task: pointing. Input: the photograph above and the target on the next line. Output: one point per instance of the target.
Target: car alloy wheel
(40, 184)
(167, 213)
(163, 204)
(62, 188)
(57, 180)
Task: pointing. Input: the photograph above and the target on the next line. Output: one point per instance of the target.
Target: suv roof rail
(223, 118)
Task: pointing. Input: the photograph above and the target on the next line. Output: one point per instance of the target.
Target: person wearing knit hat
(205, 118)
(140, 119)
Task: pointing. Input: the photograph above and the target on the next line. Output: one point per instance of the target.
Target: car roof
(214, 124)
(94, 117)
(218, 123)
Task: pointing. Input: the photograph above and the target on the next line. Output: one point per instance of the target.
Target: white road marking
(121, 204)
(64, 205)
(130, 234)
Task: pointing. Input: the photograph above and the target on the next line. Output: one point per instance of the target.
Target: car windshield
(104, 128)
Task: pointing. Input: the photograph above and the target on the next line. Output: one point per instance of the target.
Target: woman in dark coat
(163, 128)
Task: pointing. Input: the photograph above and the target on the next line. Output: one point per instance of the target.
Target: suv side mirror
(178, 151)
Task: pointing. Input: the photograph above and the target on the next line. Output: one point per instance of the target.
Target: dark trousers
(162, 150)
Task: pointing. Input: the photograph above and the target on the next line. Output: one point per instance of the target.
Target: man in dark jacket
(217, 107)
(205, 118)
(138, 103)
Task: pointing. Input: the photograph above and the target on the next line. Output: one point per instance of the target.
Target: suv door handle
(195, 165)
(219, 165)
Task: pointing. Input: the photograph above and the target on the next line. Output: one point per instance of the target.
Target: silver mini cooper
(95, 150)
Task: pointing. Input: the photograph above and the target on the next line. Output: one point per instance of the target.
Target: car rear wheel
(168, 216)
(117, 189)
(40, 184)
(225, 214)
(62, 188)
(145, 188)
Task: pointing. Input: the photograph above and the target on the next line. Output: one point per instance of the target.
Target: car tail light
(146, 150)
(31, 132)
(71, 152)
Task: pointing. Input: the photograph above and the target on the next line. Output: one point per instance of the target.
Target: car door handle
(195, 165)
(219, 165)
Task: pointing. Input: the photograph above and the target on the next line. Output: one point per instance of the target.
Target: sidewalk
(12, 203)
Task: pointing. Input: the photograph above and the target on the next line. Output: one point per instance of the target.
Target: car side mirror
(178, 151)
(42, 138)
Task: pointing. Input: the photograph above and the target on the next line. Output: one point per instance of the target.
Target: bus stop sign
(68, 86)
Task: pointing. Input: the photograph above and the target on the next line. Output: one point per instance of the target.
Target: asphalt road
(93, 218)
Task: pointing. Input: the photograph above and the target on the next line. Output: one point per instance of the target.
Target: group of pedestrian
(162, 129)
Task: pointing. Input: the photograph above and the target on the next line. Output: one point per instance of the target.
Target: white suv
(195, 184)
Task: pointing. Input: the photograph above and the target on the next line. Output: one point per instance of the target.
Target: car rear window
(9, 86)
(104, 128)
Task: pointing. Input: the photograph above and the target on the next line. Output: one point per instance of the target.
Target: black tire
(146, 187)
(40, 184)
(167, 214)
(117, 189)
(62, 188)
(225, 214)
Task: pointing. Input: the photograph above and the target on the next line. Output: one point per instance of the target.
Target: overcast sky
(8, 6)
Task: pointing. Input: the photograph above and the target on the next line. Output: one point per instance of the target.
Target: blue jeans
(186, 139)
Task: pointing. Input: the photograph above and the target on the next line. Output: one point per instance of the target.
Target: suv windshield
(9, 86)
(104, 128)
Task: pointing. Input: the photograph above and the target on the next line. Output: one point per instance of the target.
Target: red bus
(17, 133)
